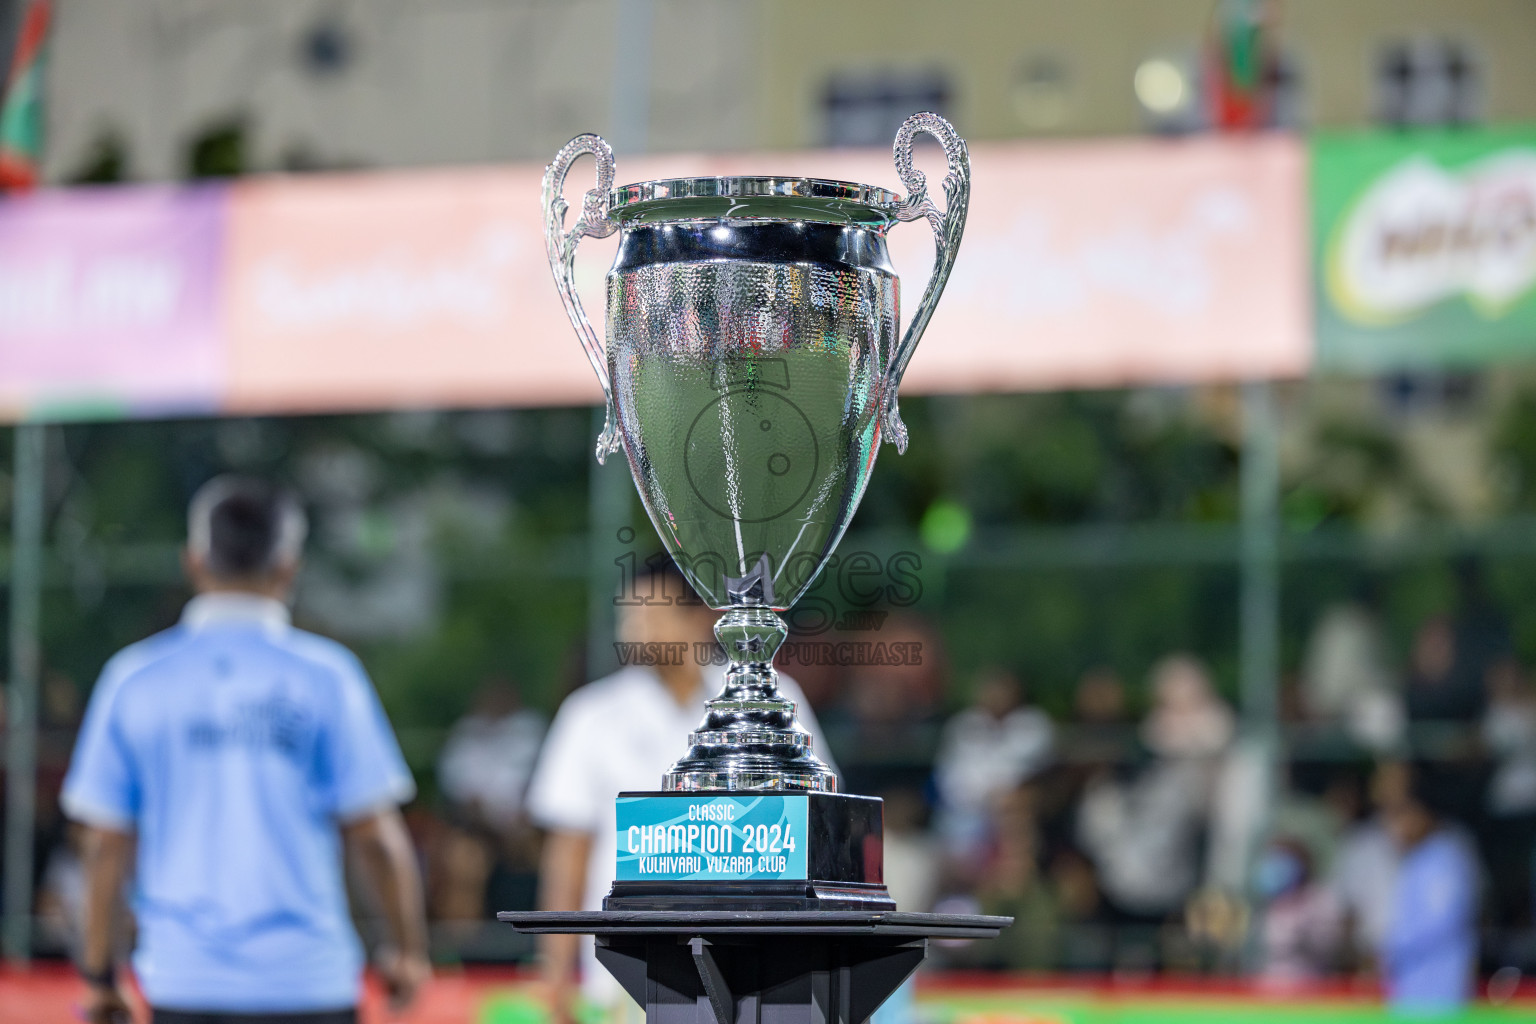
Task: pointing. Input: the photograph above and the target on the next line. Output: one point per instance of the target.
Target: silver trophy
(753, 357)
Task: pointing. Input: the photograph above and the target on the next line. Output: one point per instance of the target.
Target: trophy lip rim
(750, 186)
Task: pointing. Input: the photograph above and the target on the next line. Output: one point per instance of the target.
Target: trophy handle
(560, 244)
(947, 228)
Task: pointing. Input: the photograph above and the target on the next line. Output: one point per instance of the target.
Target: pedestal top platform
(755, 922)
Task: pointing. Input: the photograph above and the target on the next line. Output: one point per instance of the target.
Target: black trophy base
(759, 968)
(844, 867)
(757, 895)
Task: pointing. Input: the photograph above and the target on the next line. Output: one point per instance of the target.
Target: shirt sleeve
(101, 788)
(366, 769)
(561, 795)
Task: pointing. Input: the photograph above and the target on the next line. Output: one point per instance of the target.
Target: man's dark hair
(243, 527)
(659, 579)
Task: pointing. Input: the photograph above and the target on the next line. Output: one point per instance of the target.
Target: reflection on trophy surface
(751, 368)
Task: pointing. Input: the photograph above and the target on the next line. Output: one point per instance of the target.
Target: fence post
(21, 694)
(1259, 756)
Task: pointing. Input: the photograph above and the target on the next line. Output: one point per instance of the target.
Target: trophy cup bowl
(751, 370)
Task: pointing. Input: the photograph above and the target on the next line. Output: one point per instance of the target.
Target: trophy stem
(749, 738)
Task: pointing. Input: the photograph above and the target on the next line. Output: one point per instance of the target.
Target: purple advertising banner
(109, 303)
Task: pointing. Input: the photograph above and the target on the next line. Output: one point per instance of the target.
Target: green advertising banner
(1424, 248)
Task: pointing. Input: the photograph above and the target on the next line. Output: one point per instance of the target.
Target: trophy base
(749, 850)
(760, 896)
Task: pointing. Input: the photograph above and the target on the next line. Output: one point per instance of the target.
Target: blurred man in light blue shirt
(1429, 951)
(236, 756)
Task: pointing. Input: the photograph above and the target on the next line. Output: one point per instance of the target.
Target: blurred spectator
(1011, 885)
(912, 857)
(60, 703)
(1144, 832)
(1103, 734)
(1302, 926)
(1100, 739)
(1099, 699)
(1483, 636)
(231, 757)
(1083, 944)
(887, 721)
(489, 756)
(1345, 657)
(1187, 719)
(1144, 835)
(1452, 656)
(1509, 731)
(61, 897)
(1365, 868)
(459, 864)
(1433, 693)
(616, 734)
(1347, 676)
(1429, 953)
(1314, 809)
(988, 749)
(488, 858)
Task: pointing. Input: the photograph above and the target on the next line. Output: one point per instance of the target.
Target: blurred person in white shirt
(1509, 842)
(1347, 676)
(616, 734)
(489, 757)
(1147, 830)
(1365, 868)
(987, 750)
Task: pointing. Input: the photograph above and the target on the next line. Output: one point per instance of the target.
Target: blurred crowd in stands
(1150, 829)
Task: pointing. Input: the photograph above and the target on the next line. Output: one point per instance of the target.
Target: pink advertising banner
(1084, 265)
(1106, 263)
(109, 302)
(423, 290)
(372, 292)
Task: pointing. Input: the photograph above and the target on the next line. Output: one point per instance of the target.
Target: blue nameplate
(712, 837)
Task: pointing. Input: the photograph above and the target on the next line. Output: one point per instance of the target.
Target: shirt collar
(229, 608)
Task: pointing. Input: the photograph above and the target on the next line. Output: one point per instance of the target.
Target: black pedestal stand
(759, 967)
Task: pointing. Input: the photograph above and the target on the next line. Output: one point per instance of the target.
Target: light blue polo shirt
(1429, 954)
(233, 745)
